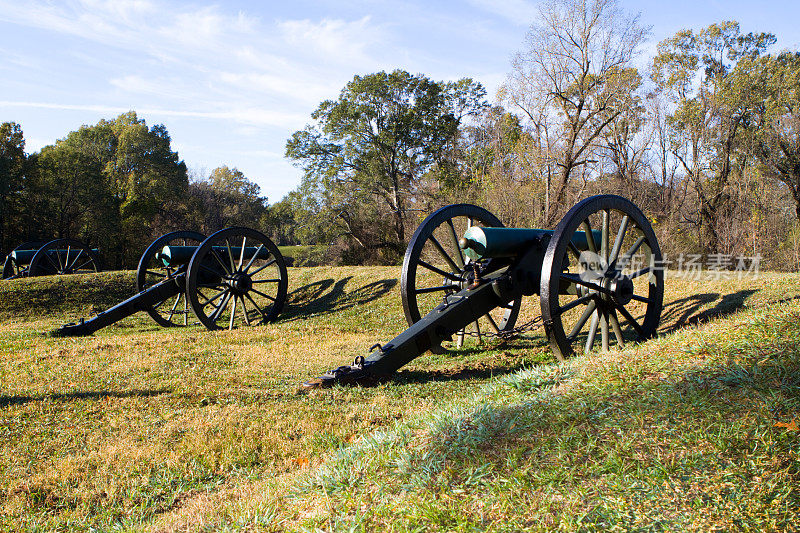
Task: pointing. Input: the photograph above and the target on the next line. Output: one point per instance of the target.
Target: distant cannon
(599, 271)
(56, 257)
(237, 276)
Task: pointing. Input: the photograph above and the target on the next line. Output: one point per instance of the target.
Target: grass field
(140, 428)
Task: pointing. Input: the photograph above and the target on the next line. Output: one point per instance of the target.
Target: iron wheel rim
(427, 240)
(221, 303)
(148, 275)
(601, 293)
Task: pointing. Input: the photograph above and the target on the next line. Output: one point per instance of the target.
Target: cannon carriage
(52, 258)
(597, 276)
(236, 276)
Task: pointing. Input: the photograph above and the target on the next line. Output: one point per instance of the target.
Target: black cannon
(56, 257)
(236, 276)
(598, 271)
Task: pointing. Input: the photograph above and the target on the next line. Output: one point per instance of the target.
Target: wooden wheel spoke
(216, 256)
(492, 323)
(233, 263)
(453, 236)
(249, 263)
(267, 296)
(241, 252)
(273, 280)
(82, 265)
(625, 259)
(72, 264)
(221, 307)
(478, 331)
(635, 325)
(592, 331)
(55, 265)
(574, 249)
(262, 267)
(209, 269)
(615, 326)
(174, 306)
(623, 228)
(244, 312)
(212, 298)
(589, 236)
(444, 254)
(640, 272)
(575, 303)
(426, 290)
(214, 285)
(641, 299)
(439, 271)
(162, 302)
(604, 329)
(263, 314)
(576, 329)
(233, 312)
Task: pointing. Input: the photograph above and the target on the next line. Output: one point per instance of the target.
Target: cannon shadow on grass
(676, 314)
(684, 312)
(328, 296)
(493, 366)
(6, 401)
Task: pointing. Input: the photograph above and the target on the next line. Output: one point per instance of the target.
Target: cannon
(598, 276)
(56, 257)
(236, 276)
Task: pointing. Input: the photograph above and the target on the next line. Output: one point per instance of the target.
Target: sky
(231, 81)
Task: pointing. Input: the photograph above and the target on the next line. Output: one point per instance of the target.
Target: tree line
(705, 138)
(116, 185)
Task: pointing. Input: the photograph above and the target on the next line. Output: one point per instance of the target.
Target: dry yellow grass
(143, 428)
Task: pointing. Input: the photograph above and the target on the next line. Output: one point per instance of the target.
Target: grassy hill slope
(143, 428)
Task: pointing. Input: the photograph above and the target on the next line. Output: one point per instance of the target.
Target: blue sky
(231, 81)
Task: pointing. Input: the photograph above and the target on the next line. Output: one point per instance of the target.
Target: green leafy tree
(226, 198)
(364, 156)
(143, 179)
(775, 131)
(72, 196)
(13, 165)
(705, 76)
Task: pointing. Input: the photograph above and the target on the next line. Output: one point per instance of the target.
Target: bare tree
(569, 76)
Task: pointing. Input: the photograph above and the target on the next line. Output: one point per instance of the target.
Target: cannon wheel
(151, 271)
(64, 256)
(228, 289)
(434, 266)
(606, 287)
(11, 269)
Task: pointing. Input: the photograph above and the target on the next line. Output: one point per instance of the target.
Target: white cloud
(303, 89)
(246, 115)
(336, 39)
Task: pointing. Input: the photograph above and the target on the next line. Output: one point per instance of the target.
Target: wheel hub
(240, 283)
(621, 289)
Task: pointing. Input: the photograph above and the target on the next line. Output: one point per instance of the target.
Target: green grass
(140, 428)
(305, 255)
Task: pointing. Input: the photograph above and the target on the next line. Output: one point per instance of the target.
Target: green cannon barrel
(509, 242)
(173, 256)
(24, 257)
